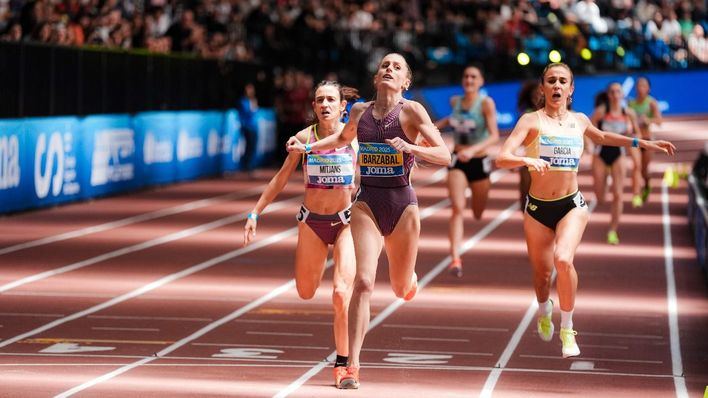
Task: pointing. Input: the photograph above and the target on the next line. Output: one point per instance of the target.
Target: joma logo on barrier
(9, 162)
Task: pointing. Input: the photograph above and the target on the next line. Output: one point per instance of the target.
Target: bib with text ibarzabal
(380, 160)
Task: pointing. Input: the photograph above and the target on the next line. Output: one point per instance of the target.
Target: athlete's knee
(563, 262)
(363, 286)
(340, 300)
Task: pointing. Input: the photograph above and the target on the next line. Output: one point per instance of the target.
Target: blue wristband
(308, 148)
(635, 142)
(253, 216)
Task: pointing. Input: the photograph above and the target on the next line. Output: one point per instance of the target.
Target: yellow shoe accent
(613, 238)
(570, 347)
(637, 201)
(544, 325)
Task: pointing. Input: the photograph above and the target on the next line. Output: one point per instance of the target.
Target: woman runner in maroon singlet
(386, 211)
(325, 214)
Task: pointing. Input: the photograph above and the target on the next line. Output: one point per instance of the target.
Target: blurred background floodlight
(554, 56)
(586, 54)
(523, 59)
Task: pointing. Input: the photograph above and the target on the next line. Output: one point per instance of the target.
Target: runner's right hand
(539, 165)
(249, 231)
(294, 145)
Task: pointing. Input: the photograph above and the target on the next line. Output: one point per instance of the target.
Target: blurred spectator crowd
(349, 36)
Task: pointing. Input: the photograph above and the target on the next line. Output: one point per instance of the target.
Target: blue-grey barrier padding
(157, 146)
(15, 163)
(110, 150)
(678, 93)
(57, 170)
(46, 161)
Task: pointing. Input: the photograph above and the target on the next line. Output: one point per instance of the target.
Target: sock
(545, 308)
(567, 319)
(340, 361)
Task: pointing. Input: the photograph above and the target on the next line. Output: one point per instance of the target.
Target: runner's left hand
(660, 146)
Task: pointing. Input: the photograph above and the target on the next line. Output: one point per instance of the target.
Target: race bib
(380, 160)
(562, 152)
(330, 169)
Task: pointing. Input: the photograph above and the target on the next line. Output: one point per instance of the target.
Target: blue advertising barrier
(674, 91)
(58, 167)
(198, 141)
(14, 166)
(46, 161)
(110, 148)
(156, 148)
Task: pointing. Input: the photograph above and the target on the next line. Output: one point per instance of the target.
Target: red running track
(152, 295)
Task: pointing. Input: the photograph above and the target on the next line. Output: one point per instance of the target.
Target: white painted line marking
(440, 267)
(145, 245)
(582, 365)
(484, 354)
(676, 360)
(67, 348)
(623, 335)
(436, 339)
(433, 327)
(248, 353)
(593, 359)
(154, 285)
(149, 318)
(125, 329)
(280, 334)
(283, 322)
(297, 347)
(610, 347)
(417, 359)
(132, 220)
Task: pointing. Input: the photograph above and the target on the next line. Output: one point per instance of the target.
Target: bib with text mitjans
(330, 168)
(559, 145)
(380, 165)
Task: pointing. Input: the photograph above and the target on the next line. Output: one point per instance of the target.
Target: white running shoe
(544, 325)
(570, 347)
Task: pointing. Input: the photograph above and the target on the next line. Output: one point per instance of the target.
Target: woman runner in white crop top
(556, 213)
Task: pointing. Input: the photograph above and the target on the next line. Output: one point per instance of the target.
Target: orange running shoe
(339, 373)
(350, 381)
(455, 268)
(411, 293)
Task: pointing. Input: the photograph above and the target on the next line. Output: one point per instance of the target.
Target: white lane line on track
(231, 345)
(279, 333)
(435, 339)
(133, 220)
(672, 303)
(433, 327)
(558, 357)
(437, 176)
(440, 267)
(125, 329)
(185, 233)
(500, 365)
(155, 284)
(151, 318)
